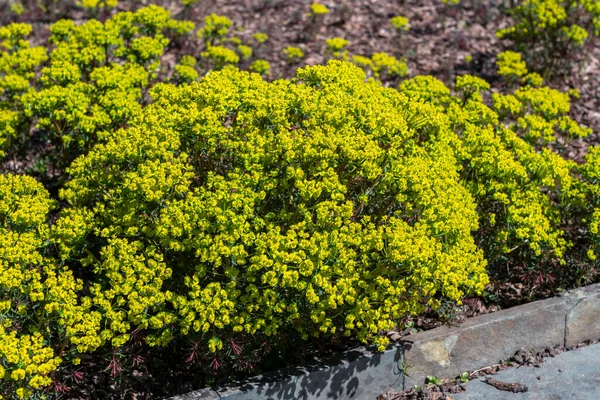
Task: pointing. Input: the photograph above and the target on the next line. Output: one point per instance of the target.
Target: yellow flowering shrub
(588, 203)
(39, 307)
(93, 83)
(522, 188)
(550, 32)
(324, 206)
(220, 206)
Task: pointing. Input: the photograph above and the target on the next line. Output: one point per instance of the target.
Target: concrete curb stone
(354, 374)
(583, 318)
(484, 340)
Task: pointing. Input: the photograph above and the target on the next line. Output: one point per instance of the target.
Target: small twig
(484, 368)
(507, 387)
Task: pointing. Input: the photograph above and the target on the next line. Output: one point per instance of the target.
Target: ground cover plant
(171, 211)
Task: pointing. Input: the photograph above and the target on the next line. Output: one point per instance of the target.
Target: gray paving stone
(573, 375)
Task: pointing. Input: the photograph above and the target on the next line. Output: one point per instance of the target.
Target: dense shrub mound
(322, 206)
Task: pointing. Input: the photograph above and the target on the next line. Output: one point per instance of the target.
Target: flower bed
(225, 220)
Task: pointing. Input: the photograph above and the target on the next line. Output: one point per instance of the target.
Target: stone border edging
(568, 319)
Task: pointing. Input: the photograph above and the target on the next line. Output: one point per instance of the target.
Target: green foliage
(215, 28)
(433, 380)
(293, 53)
(552, 33)
(464, 377)
(260, 37)
(261, 67)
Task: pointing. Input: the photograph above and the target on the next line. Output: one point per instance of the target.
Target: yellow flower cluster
(215, 28)
(589, 198)
(185, 69)
(18, 64)
(510, 64)
(400, 22)
(220, 56)
(94, 4)
(293, 53)
(382, 64)
(260, 37)
(318, 9)
(335, 47)
(336, 44)
(26, 362)
(261, 67)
